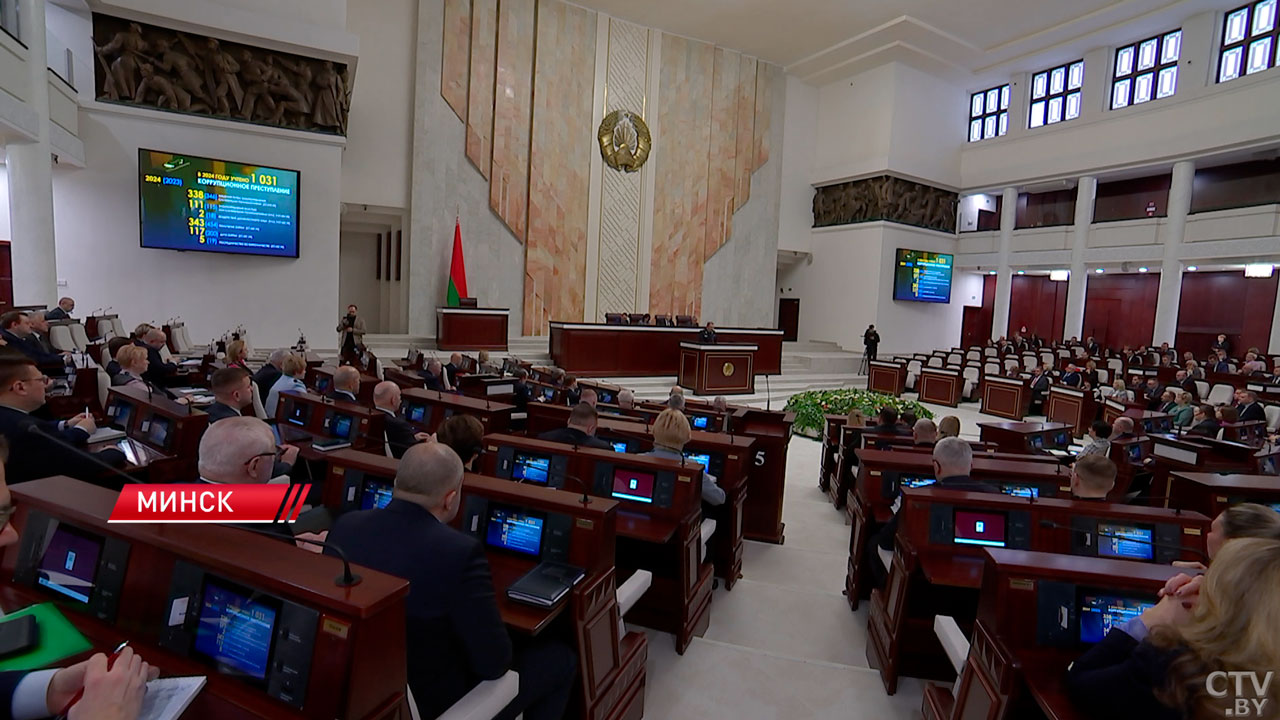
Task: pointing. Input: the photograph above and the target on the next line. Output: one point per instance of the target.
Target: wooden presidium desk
(884, 376)
(330, 651)
(471, 328)
(941, 386)
(1005, 397)
(593, 350)
(718, 369)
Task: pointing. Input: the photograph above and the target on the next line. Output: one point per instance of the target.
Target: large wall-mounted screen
(193, 203)
(922, 276)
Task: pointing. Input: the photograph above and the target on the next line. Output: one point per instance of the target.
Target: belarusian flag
(457, 270)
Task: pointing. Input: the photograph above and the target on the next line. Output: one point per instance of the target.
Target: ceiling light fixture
(1059, 275)
(1258, 270)
(1099, 271)
(1192, 268)
(1142, 269)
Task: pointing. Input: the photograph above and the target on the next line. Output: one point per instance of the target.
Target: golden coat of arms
(727, 369)
(624, 141)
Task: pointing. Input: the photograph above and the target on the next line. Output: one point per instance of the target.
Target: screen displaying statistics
(921, 276)
(193, 203)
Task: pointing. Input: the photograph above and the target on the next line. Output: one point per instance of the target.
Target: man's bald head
(456, 359)
(925, 431)
(347, 378)
(277, 357)
(386, 394)
(626, 399)
(237, 450)
(1122, 425)
(588, 397)
(155, 337)
(430, 475)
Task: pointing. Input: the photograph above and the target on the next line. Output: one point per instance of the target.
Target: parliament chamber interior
(465, 359)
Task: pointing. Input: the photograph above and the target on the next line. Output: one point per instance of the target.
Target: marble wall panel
(765, 77)
(724, 148)
(745, 157)
(484, 52)
(559, 166)
(455, 65)
(512, 112)
(620, 197)
(680, 204)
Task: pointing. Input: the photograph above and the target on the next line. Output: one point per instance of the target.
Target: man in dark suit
(1249, 407)
(1167, 402)
(62, 311)
(888, 422)
(1072, 377)
(1204, 422)
(871, 341)
(523, 393)
(924, 433)
(1182, 380)
(435, 377)
(270, 372)
(40, 334)
(400, 435)
(1220, 365)
(708, 334)
(1134, 358)
(157, 369)
(1152, 393)
(346, 385)
(1091, 346)
(1039, 388)
(18, 333)
(580, 430)
(232, 392)
(36, 446)
(456, 637)
(452, 368)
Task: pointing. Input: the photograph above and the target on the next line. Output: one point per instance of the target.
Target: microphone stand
(346, 579)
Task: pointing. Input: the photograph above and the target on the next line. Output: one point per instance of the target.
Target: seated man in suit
(626, 400)
(435, 377)
(1152, 393)
(40, 334)
(589, 397)
(113, 346)
(346, 385)
(522, 392)
(888, 422)
(1186, 383)
(1092, 478)
(1220, 363)
(400, 435)
(232, 393)
(1039, 389)
(1204, 421)
(1253, 365)
(18, 333)
(1072, 377)
(37, 445)
(456, 637)
(1122, 428)
(62, 311)
(1168, 401)
(157, 369)
(708, 334)
(270, 372)
(1249, 407)
(452, 368)
(572, 393)
(580, 430)
(924, 433)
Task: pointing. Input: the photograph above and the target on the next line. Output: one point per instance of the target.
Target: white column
(1004, 273)
(1166, 328)
(35, 276)
(1086, 194)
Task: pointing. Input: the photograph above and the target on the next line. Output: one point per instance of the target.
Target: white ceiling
(821, 41)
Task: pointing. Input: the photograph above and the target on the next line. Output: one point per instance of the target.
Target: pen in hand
(111, 660)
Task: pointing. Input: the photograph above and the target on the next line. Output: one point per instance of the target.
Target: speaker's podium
(718, 369)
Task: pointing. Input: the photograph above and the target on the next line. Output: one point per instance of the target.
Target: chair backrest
(1273, 416)
(954, 359)
(1116, 364)
(1046, 356)
(913, 367)
(108, 331)
(119, 326)
(1103, 376)
(972, 373)
(1064, 353)
(1029, 361)
(1221, 394)
(60, 337)
(990, 352)
(1202, 389)
(258, 411)
(1011, 365)
(165, 355)
(179, 341)
(104, 386)
(991, 368)
(79, 336)
(973, 355)
(935, 361)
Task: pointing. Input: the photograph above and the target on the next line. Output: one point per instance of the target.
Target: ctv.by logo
(1247, 704)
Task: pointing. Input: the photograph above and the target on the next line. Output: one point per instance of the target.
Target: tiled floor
(784, 644)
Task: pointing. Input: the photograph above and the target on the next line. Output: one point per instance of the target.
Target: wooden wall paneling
(512, 115)
(722, 177)
(455, 65)
(1046, 209)
(1038, 303)
(1239, 185)
(484, 56)
(1225, 302)
(976, 323)
(1129, 199)
(1121, 309)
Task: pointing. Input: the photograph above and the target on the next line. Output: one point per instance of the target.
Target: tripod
(865, 367)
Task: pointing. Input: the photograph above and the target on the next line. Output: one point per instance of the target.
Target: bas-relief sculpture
(885, 198)
(150, 66)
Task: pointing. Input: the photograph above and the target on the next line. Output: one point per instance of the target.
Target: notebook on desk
(105, 434)
(327, 444)
(546, 584)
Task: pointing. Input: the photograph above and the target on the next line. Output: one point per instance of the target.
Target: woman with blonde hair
(133, 361)
(1183, 411)
(949, 426)
(292, 370)
(671, 432)
(1161, 664)
(237, 351)
(855, 418)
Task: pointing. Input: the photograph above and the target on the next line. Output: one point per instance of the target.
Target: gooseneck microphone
(346, 579)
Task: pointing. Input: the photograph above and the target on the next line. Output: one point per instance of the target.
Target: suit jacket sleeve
(477, 620)
(400, 436)
(1117, 677)
(8, 683)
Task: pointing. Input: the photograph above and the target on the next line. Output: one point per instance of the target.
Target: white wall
(376, 164)
(358, 277)
(796, 216)
(96, 229)
(854, 127)
(4, 203)
(926, 135)
(838, 291)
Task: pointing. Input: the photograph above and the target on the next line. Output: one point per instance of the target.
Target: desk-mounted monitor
(1135, 453)
(71, 564)
(1274, 506)
(297, 413)
(323, 383)
(419, 413)
(1037, 441)
(192, 203)
(235, 629)
(1062, 439)
(700, 422)
(606, 396)
(160, 432)
(922, 276)
(980, 527)
(633, 485)
(342, 426)
(1102, 610)
(630, 484)
(534, 468)
(548, 394)
(1022, 491)
(700, 458)
(120, 413)
(514, 530)
(1126, 542)
(375, 493)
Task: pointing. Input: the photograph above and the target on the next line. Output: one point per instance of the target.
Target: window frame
(1064, 95)
(1003, 101)
(1134, 74)
(1248, 41)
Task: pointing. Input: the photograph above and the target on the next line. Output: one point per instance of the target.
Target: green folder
(59, 639)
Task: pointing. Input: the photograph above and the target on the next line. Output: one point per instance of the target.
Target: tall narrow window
(989, 113)
(1055, 94)
(1147, 70)
(1249, 40)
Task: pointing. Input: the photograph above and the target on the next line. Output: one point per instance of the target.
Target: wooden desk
(718, 369)
(763, 509)
(315, 415)
(1211, 493)
(426, 409)
(344, 654)
(1076, 408)
(1005, 397)
(170, 432)
(471, 328)
(320, 381)
(940, 386)
(888, 377)
(829, 464)
(1024, 437)
(95, 325)
(490, 387)
(594, 350)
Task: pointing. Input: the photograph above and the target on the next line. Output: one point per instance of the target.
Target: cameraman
(351, 328)
(871, 341)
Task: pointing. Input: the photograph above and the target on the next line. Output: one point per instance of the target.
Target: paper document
(103, 434)
(167, 698)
